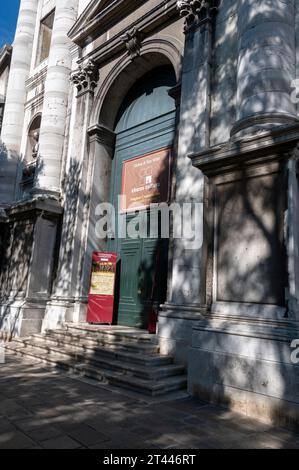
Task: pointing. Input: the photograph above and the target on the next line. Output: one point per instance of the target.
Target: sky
(9, 10)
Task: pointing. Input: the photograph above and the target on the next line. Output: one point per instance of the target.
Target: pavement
(44, 408)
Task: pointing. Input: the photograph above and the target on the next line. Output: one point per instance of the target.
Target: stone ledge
(252, 149)
(49, 204)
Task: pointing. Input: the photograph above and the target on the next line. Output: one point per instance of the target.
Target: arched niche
(33, 138)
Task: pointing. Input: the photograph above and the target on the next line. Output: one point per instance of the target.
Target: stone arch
(101, 142)
(154, 53)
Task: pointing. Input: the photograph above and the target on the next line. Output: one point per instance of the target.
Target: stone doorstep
(117, 333)
(148, 370)
(65, 336)
(70, 349)
(151, 387)
(138, 371)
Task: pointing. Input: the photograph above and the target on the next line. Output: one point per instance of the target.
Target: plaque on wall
(146, 180)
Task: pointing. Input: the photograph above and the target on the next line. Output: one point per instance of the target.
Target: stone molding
(102, 135)
(86, 77)
(133, 40)
(262, 147)
(196, 12)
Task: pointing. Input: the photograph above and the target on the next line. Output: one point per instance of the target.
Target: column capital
(196, 12)
(86, 77)
(102, 134)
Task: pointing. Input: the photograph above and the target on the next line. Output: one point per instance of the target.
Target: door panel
(150, 114)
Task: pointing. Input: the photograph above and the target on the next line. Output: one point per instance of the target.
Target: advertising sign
(102, 285)
(146, 180)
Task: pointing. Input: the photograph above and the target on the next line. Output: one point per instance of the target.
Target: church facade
(206, 90)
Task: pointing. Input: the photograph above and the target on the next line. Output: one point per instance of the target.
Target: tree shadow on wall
(251, 264)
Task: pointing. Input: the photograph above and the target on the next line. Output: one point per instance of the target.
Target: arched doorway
(145, 129)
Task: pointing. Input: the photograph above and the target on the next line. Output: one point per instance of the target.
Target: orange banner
(146, 180)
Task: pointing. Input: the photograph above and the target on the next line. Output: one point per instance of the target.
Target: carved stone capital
(197, 11)
(86, 77)
(133, 41)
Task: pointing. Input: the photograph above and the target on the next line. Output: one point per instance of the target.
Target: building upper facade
(236, 75)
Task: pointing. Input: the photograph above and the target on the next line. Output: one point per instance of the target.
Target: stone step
(119, 378)
(64, 336)
(116, 334)
(137, 356)
(148, 370)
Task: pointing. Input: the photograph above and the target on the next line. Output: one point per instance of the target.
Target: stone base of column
(262, 123)
(175, 330)
(29, 252)
(20, 318)
(60, 310)
(246, 365)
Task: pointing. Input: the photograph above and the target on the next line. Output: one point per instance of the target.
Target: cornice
(36, 79)
(145, 26)
(5, 57)
(102, 21)
(101, 134)
(260, 148)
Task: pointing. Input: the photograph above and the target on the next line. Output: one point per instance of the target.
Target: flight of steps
(120, 356)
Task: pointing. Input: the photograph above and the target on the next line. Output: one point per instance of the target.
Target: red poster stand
(101, 295)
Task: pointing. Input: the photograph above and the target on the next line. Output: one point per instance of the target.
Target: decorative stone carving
(86, 78)
(133, 41)
(196, 11)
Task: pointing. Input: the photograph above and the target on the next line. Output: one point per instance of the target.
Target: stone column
(52, 132)
(13, 119)
(266, 65)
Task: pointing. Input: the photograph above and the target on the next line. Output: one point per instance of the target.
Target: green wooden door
(146, 123)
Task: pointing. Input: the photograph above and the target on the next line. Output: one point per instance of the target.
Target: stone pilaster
(266, 65)
(66, 295)
(52, 132)
(194, 134)
(13, 119)
(186, 290)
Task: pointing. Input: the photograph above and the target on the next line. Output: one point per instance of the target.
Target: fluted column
(266, 64)
(13, 119)
(57, 86)
(12, 127)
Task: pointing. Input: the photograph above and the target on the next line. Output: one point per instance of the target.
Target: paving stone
(6, 425)
(38, 409)
(86, 435)
(44, 433)
(28, 424)
(12, 410)
(260, 441)
(61, 442)
(15, 440)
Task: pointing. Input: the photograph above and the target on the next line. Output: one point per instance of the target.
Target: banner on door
(146, 181)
